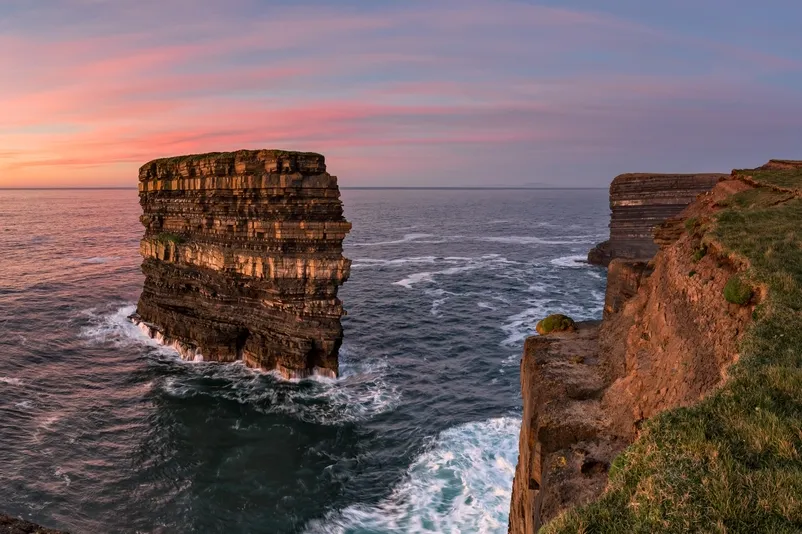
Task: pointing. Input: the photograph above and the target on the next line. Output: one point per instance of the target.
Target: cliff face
(243, 258)
(639, 203)
(667, 339)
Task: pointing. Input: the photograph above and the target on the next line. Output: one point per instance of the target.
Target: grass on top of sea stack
(733, 462)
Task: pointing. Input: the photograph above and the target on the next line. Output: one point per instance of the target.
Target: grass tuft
(555, 323)
(736, 291)
(169, 237)
(699, 253)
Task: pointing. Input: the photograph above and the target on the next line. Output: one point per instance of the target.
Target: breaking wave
(462, 483)
(360, 392)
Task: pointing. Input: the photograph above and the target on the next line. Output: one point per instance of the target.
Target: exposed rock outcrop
(243, 258)
(639, 203)
(12, 525)
(667, 339)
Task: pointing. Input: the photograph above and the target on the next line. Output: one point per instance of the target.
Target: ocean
(103, 431)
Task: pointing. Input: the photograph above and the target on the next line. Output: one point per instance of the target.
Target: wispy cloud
(434, 87)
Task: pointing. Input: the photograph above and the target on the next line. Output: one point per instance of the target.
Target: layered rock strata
(242, 256)
(667, 339)
(639, 203)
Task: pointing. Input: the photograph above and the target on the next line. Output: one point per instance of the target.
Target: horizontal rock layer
(639, 203)
(243, 258)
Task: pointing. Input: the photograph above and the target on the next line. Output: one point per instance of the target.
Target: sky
(400, 93)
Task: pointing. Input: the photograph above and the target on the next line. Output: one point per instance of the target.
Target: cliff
(242, 256)
(12, 525)
(639, 203)
(680, 411)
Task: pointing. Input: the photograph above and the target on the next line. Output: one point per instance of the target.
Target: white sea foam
(486, 306)
(360, 392)
(45, 424)
(440, 297)
(10, 381)
(511, 240)
(101, 259)
(532, 240)
(364, 263)
(461, 484)
(491, 261)
(575, 261)
(116, 329)
(421, 238)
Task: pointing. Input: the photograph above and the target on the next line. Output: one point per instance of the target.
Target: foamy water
(418, 434)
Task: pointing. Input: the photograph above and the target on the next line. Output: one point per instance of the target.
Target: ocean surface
(104, 431)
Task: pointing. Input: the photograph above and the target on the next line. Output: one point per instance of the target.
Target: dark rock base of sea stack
(243, 258)
(12, 525)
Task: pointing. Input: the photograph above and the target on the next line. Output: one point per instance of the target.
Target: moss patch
(555, 323)
(699, 253)
(737, 291)
(169, 237)
(733, 462)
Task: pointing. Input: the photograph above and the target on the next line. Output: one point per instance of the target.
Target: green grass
(699, 253)
(691, 223)
(555, 323)
(169, 237)
(733, 462)
(785, 179)
(737, 291)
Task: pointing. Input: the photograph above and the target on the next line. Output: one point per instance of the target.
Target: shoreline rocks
(13, 525)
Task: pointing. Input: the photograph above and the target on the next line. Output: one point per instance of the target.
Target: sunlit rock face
(243, 258)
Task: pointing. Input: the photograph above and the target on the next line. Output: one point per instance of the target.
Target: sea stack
(242, 256)
(639, 202)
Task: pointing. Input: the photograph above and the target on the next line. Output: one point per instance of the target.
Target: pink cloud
(453, 77)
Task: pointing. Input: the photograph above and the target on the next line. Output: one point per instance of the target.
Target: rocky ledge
(639, 203)
(12, 525)
(719, 290)
(242, 256)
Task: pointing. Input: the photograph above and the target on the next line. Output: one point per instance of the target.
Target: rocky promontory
(640, 202)
(242, 256)
(679, 412)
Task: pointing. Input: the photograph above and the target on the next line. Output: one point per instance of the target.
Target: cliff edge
(242, 256)
(680, 411)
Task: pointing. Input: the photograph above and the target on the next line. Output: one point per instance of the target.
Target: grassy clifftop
(732, 463)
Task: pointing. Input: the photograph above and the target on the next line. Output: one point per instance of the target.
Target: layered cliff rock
(243, 258)
(639, 203)
(673, 328)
